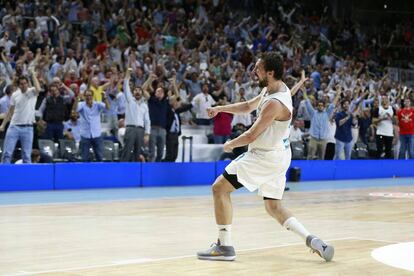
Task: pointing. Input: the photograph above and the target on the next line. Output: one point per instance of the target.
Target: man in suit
(174, 127)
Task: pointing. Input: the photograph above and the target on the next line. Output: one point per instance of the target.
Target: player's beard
(263, 82)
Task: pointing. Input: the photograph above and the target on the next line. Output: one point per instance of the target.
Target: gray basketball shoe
(324, 250)
(218, 252)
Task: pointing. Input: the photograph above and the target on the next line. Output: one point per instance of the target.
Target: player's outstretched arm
(272, 110)
(236, 108)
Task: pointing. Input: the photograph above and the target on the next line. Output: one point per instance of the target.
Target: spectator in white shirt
(72, 128)
(21, 116)
(330, 140)
(71, 65)
(6, 43)
(383, 118)
(296, 134)
(201, 102)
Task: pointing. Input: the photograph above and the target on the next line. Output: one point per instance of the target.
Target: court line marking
(148, 260)
(375, 240)
(121, 200)
(199, 195)
(395, 255)
(98, 201)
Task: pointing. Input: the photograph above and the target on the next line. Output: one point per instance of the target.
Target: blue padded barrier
(220, 166)
(315, 169)
(361, 169)
(26, 177)
(113, 175)
(97, 175)
(178, 174)
(401, 168)
(398, 168)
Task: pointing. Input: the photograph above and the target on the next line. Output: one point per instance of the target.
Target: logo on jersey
(286, 143)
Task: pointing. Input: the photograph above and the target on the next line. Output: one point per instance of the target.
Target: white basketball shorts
(262, 170)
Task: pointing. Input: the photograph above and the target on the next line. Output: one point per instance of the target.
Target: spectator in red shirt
(71, 78)
(406, 122)
(222, 125)
(141, 32)
(101, 49)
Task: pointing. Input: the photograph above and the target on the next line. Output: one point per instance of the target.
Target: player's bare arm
(272, 110)
(236, 108)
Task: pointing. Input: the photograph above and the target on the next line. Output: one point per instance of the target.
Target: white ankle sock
(224, 234)
(294, 225)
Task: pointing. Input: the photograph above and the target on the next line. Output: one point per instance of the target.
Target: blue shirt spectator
(90, 125)
(343, 132)
(115, 100)
(316, 77)
(58, 65)
(193, 85)
(73, 12)
(319, 120)
(121, 104)
(90, 119)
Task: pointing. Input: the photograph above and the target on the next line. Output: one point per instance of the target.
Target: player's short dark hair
(272, 61)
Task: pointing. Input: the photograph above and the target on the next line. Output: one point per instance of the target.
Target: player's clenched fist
(212, 111)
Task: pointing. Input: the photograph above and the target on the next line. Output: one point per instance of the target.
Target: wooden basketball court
(161, 236)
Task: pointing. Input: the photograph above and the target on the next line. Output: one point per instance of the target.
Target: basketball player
(264, 165)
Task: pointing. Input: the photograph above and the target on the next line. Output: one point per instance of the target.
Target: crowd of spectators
(146, 68)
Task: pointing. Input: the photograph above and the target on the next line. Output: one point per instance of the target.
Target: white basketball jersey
(276, 136)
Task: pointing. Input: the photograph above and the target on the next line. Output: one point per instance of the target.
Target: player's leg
(222, 202)
(223, 249)
(275, 209)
